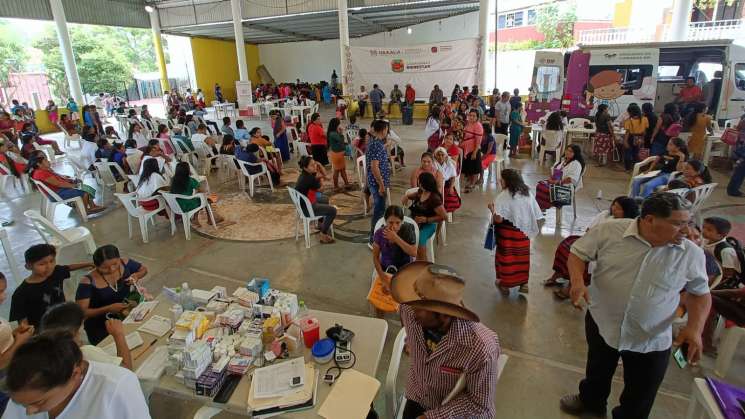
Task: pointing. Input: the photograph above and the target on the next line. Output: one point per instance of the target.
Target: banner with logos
(442, 63)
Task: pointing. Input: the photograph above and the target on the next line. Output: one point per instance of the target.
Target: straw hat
(431, 287)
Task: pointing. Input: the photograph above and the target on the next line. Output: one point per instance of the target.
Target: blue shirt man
(378, 171)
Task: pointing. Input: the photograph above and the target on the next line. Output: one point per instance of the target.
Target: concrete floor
(544, 337)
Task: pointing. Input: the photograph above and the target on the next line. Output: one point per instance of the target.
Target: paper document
(350, 397)
(139, 313)
(276, 380)
(302, 398)
(134, 340)
(156, 325)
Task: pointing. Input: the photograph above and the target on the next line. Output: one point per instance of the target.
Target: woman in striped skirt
(515, 215)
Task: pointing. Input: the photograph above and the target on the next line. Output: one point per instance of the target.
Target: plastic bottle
(185, 297)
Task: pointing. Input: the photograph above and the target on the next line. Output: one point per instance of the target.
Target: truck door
(732, 102)
(546, 85)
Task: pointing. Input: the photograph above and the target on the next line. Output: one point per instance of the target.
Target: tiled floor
(544, 337)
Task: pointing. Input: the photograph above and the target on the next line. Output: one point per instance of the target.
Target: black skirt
(320, 154)
(472, 166)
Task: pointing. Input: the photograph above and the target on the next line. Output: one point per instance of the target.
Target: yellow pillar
(159, 55)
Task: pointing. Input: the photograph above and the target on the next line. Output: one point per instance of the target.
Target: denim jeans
(738, 176)
(378, 209)
(645, 186)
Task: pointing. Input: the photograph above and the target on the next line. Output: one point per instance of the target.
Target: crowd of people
(678, 262)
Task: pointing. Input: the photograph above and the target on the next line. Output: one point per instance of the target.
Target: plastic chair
(244, 165)
(79, 168)
(60, 238)
(171, 200)
(106, 175)
(69, 139)
(129, 200)
(431, 241)
(297, 198)
(205, 157)
(15, 267)
(47, 150)
(21, 183)
(50, 200)
(133, 160)
(638, 167)
(700, 195)
(574, 199)
(394, 402)
(552, 143)
(500, 140)
(727, 349)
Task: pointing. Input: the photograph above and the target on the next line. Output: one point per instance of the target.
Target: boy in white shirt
(69, 317)
(48, 377)
(715, 231)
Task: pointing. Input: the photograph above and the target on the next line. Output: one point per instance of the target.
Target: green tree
(101, 64)
(705, 4)
(12, 53)
(557, 26)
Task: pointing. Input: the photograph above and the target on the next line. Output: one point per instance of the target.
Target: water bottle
(185, 297)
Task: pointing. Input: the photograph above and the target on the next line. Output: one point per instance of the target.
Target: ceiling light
(408, 30)
(149, 9)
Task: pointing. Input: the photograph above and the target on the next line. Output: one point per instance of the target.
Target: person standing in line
(395, 98)
(410, 95)
(502, 114)
(362, 101)
(515, 100)
(218, 93)
(378, 171)
(376, 98)
(435, 97)
(641, 266)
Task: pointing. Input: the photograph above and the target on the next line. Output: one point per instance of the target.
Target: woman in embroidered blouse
(104, 289)
(567, 171)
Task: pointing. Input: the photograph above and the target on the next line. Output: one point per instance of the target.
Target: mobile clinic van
(618, 75)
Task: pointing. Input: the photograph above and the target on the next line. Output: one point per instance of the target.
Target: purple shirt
(390, 253)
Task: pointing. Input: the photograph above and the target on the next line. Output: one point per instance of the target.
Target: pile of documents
(283, 387)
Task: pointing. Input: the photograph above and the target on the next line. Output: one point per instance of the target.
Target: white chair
(394, 402)
(583, 137)
(15, 267)
(60, 238)
(578, 122)
(638, 167)
(129, 200)
(244, 165)
(727, 349)
(579, 186)
(183, 152)
(700, 195)
(48, 150)
(171, 200)
(106, 175)
(205, 157)
(69, 139)
(731, 123)
(501, 140)
(50, 200)
(21, 184)
(133, 160)
(78, 167)
(300, 200)
(552, 143)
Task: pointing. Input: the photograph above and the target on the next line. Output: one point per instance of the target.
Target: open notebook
(304, 398)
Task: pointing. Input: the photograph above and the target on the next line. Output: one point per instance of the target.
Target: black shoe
(573, 405)
(737, 194)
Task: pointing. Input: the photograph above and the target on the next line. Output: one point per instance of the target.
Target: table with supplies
(160, 340)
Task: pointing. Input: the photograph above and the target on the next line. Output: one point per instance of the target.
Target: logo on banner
(397, 65)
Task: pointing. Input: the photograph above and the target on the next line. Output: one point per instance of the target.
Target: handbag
(673, 130)
(490, 243)
(730, 136)
(380, 299)
(560, 195)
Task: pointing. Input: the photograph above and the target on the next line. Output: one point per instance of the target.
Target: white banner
(442, 63)
(243, 92)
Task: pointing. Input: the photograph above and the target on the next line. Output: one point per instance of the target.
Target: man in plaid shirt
(453, 372)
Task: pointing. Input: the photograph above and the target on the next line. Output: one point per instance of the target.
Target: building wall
(215, 61)
(314, 60)
(622, 13)
(527, 33)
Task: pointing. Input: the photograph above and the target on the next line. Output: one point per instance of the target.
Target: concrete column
(159, 55)
(343, 46)
(484, 41)
(68, 59)
(235, 7)
(680, 20)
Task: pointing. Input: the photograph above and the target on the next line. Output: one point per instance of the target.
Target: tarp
(424, 65)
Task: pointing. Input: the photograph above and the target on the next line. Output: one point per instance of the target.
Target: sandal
(551, 282)
(504, 290)
(561, 293)
(523, 289)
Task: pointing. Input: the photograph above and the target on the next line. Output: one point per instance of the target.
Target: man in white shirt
(641, 266)
(502, 114)
(49, 378)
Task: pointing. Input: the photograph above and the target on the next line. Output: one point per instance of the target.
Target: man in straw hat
(453, 371)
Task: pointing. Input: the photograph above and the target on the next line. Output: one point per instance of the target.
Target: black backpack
(739, 278)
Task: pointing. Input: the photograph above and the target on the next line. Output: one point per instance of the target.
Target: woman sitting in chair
(183, 184)
(447, 170)
(104, 290)
(27, 129)
(248, 154)
(309, 184)
(261, 140)
(71, 127)
(426, 209)
(674, 160)
(164, 135)
(694, 174)
(40, 170)
(151, 183)
(621, 207)
(8, 165)
(394, 246)
(568, 171)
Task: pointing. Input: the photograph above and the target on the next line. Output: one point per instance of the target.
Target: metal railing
(697, 31)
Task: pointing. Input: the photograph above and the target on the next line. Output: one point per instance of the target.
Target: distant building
(516, 19)
(24, 86)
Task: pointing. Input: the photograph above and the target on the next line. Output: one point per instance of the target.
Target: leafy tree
(557, 26)
(705, 4)
(12, 53)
